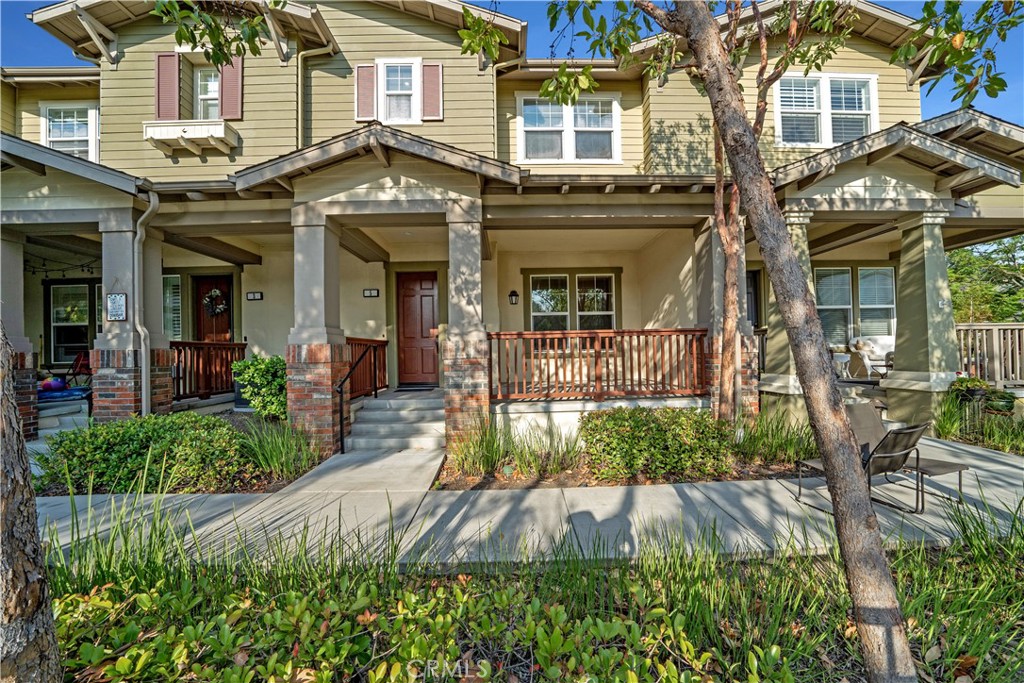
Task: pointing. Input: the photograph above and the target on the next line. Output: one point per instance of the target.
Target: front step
(380, 430)
(399, 416)
(363, 443)
(402, 404)
(398, 422)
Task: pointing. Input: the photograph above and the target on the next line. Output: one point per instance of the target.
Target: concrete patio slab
(378, 470)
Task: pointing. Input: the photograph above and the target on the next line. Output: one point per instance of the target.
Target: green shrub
(279, 449)
(541, 452)
(665, 442)
(1001, 433)
(948, 420)
(202, 453)
(265, 385)
(773, 438)
(1000, 401)
(482, 449)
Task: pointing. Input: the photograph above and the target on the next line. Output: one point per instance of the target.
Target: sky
(24, 44)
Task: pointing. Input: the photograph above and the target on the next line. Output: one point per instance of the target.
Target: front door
(213, 307)
(417, 328)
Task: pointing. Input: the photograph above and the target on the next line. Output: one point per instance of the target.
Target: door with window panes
(74, 318)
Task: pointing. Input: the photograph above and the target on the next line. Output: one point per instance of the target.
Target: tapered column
(926, 354)
(466, 350)
(12, 313)
(317, 357)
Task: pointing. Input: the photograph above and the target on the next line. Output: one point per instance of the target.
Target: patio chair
(80, 372)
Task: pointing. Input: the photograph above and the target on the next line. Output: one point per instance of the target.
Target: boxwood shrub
(624, 443)
(264, 384)
(202, 453)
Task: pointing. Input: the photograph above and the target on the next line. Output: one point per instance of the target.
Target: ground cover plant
(626, 445)
(988, 422)
(152, 603)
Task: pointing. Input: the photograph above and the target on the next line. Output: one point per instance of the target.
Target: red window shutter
(168, 96)
(231, 90)
(433, 96)
(366, 92)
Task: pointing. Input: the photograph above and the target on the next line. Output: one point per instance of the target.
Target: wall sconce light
(513, 297)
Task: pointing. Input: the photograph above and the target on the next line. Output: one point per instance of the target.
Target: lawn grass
(152, 603)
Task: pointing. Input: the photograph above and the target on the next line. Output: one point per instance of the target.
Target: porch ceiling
(578, 241)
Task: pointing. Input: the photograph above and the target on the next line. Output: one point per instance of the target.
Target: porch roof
(35, 158)
(1001, 139)
(957, 169)
(377, 139)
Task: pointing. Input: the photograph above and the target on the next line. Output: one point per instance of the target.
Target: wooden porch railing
(597, 364)
(993, 352)
(202, 369)
(372, 373)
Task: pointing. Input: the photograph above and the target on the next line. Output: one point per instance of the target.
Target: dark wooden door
(212, 309)
(417, 328)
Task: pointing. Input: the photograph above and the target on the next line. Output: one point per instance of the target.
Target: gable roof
(16, 152)
(374, 138)
(957, 168)
(1002, 139)
(50, 75)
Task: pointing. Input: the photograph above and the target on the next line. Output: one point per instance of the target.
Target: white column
(118, 235)
(12, 295)
(317, 285)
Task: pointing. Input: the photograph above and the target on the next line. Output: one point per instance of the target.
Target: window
(399, 85)
(595, 304)
(835, 303)
(825, 109)
(588, 131)
(172, 307)
(877, 291)
(549, 302)
(72, 128)
(207, 95)
(69, 322)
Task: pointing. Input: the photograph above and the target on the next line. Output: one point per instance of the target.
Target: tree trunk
(28, 643)
(880, 624)
(727, 358)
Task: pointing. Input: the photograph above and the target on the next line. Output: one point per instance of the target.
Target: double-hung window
(72, 128)
(595, 302)
(572, 301)
(207, 94)
(833, 291)
(69, 322)
(549, 302)
(823, 110)
(587, 132)
(399, 90)
(876, 288)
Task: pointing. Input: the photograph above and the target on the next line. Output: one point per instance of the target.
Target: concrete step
(403, 404)
(44, 433)
(49, 422)
(395, 416)
(382, 429)
(393, 443)
(63, 408)
(73, 421)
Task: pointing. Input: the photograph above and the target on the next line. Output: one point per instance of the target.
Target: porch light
(513, 297)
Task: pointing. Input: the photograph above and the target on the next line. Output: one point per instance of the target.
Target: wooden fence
(993, 352)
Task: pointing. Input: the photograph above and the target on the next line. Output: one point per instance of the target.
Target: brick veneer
(313, 404)
(749, 374)
(25, 395)
(466, 384)
(117, 383)
(161, 385)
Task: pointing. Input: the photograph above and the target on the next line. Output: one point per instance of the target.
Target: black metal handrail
(341, 386)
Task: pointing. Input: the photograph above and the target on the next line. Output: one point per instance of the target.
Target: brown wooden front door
(213, 315)
(417, 328)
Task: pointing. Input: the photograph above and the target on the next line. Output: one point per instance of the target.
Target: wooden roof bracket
(104, 38)
(277, 34)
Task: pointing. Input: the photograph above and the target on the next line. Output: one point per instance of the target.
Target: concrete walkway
(361, 498)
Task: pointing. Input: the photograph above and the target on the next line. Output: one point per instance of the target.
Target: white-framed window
(876, 289)
(549, 303)
(172, 306)
(834, 295)
(595, 302)
(822, 110)
(69, 322)
(207, 93)
(589, 131)
(72, 128)
(400, 90)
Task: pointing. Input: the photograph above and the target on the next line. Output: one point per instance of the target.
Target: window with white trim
(876, 289)
(72, 128)
(69, 322)
(172, 307)
(823, 110)
(549, 302)
(595, 302)
(589, 131)
(207, 94)
(399, 90)
(834, 296)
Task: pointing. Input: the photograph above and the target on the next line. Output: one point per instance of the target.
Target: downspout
(140, 327)
(301, 99)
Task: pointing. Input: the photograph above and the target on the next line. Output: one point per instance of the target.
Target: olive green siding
(8, 103)
(631, 101)
(366, 32)
(679, 123)
(27, 109)
(266, 130)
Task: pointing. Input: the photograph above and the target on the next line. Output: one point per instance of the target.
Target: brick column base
(467, 391)
(116, 384)
(313, 404)
(25, 395)
(161, 387)
(749, 373)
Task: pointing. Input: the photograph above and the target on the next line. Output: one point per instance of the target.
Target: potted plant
(1000, 401)
(969, 388)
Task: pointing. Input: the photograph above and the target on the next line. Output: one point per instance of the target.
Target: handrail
(202, 369)
(340, 388)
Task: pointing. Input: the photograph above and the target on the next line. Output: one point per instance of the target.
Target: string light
(61, 268)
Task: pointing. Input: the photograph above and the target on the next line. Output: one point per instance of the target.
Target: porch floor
(364, 496)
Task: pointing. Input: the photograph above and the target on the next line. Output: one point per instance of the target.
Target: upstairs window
(588, 132)
(72, 128)
(825, 110)
(207, 94)
(399, 91)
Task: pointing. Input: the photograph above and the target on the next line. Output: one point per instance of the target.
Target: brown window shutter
(433, 95)
(231, 90)
(168, 96)
(366, 92)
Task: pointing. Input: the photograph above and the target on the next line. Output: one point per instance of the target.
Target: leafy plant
(948, 420)
(265, 385)
(203, 454)
(279, 449)
(965, 383)
(1001, 401)
(772, 437)
(482, 449)
(541, 452)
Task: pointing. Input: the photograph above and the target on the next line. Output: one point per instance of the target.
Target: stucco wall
(668, 286)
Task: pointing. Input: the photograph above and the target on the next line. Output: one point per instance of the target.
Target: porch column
(161, 358)
(710, 285)
(779, 379)
(115, 358)
(316, 356)
(466, 351)
(927, 357)
(12, 313)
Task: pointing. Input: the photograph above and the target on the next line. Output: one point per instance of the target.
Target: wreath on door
(214, 303)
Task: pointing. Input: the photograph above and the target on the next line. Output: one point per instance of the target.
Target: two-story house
(364, 197)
